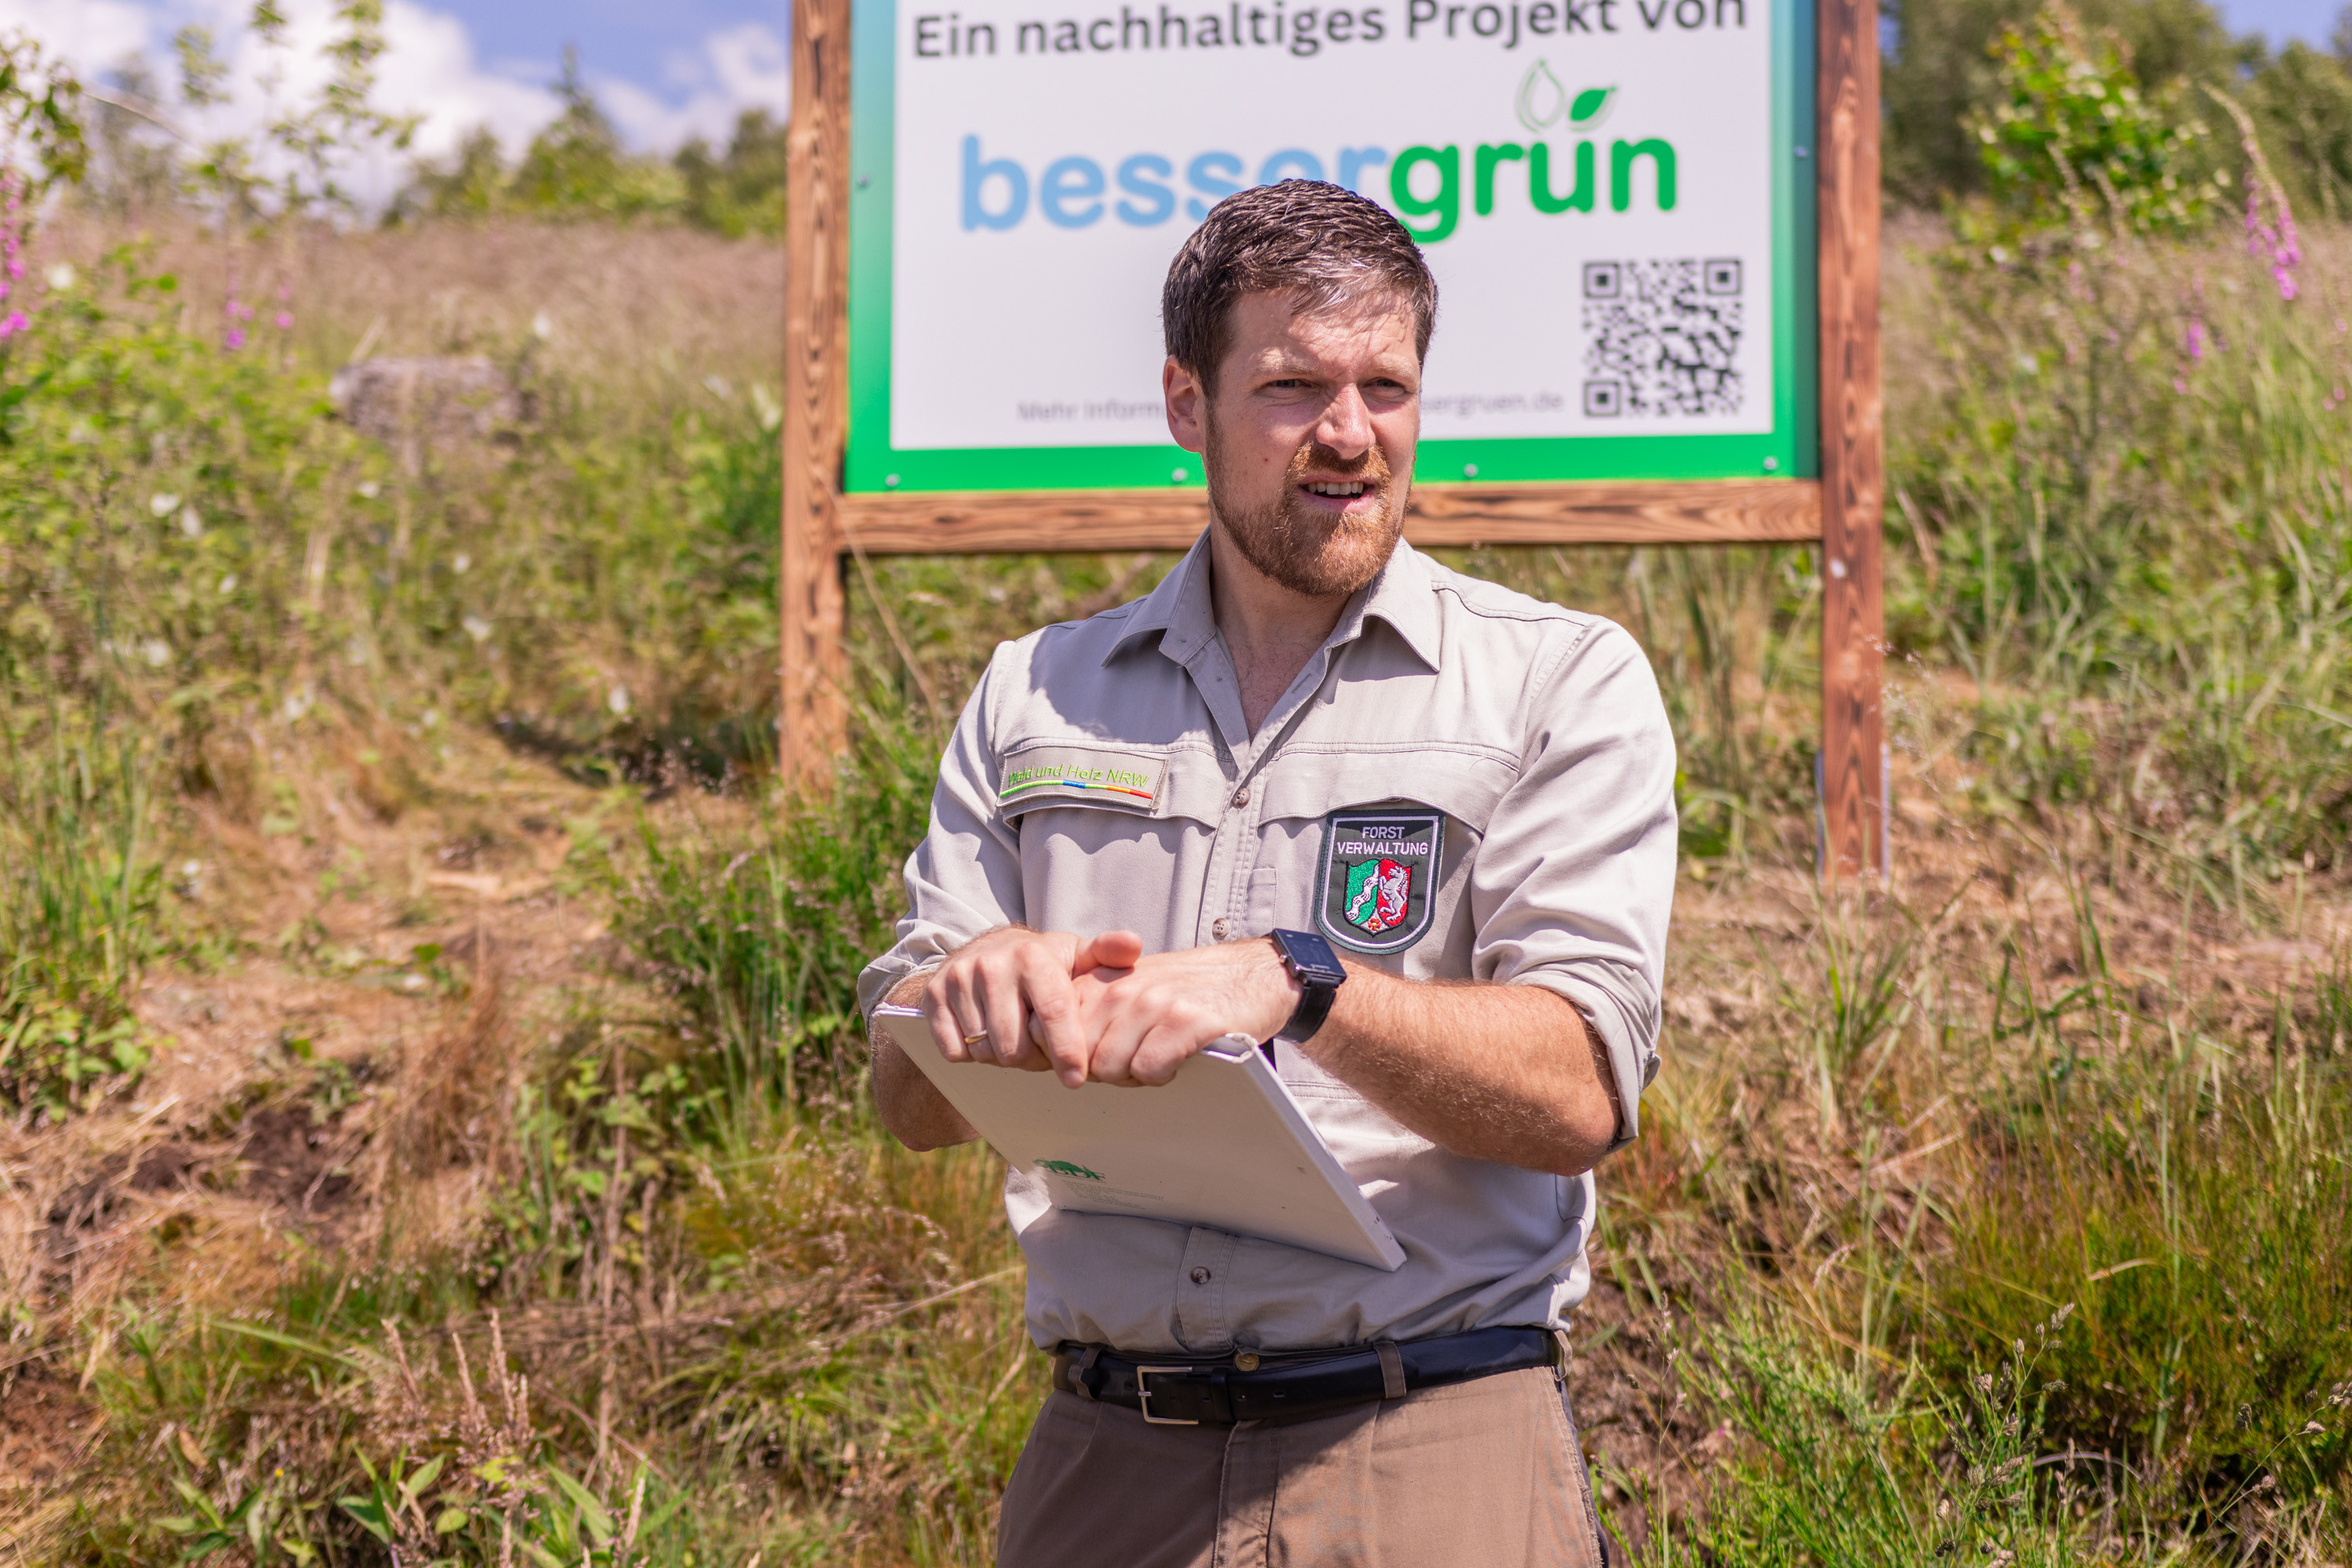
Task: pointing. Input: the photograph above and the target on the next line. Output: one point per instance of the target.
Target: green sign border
(1790, 450)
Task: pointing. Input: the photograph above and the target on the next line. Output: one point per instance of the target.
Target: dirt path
(392, 943)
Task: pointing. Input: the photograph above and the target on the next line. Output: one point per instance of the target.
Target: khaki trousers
(1486, 1473)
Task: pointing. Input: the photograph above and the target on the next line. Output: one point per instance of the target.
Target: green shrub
(760, 931)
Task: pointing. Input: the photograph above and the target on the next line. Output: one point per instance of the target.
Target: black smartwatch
(1316, 969)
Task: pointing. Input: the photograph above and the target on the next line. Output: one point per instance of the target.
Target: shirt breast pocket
(1110, 837)
(1107, 782)
(1387, 837)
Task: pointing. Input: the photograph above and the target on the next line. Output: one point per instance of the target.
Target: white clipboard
(1222, 1145)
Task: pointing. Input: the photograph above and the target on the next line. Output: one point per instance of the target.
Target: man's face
(1309, 440)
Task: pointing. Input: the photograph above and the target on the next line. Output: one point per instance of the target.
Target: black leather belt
(1263, 1385)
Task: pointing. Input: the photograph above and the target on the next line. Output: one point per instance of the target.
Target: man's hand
(1144, 1020)
(1010, 997)
(1510, 1073)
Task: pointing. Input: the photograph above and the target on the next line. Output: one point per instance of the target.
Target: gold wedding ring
(975, 1040)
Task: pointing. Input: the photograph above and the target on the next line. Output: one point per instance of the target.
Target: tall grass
(2122, 492)
(79, 890)
(760, 923)
(1897, 1134)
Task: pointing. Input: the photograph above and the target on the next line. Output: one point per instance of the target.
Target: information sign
(1612, 194)
(1653, 222)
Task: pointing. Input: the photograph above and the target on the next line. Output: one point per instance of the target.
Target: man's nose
(1345, 426)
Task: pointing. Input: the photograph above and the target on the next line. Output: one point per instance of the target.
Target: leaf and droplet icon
(1541, 97)
(1543, 101)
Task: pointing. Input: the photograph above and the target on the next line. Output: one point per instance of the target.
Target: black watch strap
(1311, 963)
(1314, 999)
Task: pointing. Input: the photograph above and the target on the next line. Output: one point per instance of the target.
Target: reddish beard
(1305, 553)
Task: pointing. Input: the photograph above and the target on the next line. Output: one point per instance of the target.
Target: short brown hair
(1321, 243)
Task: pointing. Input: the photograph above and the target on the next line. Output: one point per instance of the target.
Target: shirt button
(1220, 927)
(1199, 1277)
(1241, 796)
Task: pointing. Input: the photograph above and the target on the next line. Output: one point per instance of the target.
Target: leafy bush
(2075, 134)
(170, 509)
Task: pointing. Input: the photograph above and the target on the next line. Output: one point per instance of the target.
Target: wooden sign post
(823, 524)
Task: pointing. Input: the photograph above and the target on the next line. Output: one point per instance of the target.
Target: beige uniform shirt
(1462, 782)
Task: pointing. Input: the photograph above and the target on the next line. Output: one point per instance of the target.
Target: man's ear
(1187, 406)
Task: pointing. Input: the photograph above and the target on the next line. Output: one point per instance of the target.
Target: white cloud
(87, 32)
(747, 66)
(429, 68)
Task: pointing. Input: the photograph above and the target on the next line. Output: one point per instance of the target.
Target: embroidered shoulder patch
(1380, 876)
(1041, 773)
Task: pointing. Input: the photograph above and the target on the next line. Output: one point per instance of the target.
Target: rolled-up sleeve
(964, 878)
(1575, 879)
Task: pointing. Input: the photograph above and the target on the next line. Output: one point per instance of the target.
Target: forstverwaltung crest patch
(1380, 876)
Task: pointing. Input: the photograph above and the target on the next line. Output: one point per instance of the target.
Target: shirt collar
(1403, 597)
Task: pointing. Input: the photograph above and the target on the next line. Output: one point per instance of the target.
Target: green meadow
(433, 1124)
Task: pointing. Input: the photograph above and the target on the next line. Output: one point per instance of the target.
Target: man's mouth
(1343, 489)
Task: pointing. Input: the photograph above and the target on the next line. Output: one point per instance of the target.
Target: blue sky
(656, 46)
(2279, 20)
(663, 50)
(665, 71)
(639, 41)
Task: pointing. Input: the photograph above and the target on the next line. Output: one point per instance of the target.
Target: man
(1324, 732)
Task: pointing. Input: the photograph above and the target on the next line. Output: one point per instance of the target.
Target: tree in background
(132, 167)
(577, 168)
(2076, 145)
(1942, 73)
(2302, 102)
(742, 190)
(1943, 82)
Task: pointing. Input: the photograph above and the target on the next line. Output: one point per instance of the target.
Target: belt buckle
(1143, 1374)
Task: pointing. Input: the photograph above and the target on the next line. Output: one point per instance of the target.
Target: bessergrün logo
(1064, 1168)
(1424, 181)
(1540, 104)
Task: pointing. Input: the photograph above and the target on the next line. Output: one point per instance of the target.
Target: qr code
(1662, 337)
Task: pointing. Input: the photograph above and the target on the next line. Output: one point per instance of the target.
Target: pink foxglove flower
(2271, 238)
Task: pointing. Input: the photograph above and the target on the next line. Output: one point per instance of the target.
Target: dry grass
(623, 307)
(506, 1148)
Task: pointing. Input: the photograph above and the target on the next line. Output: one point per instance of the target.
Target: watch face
(1311, 956)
